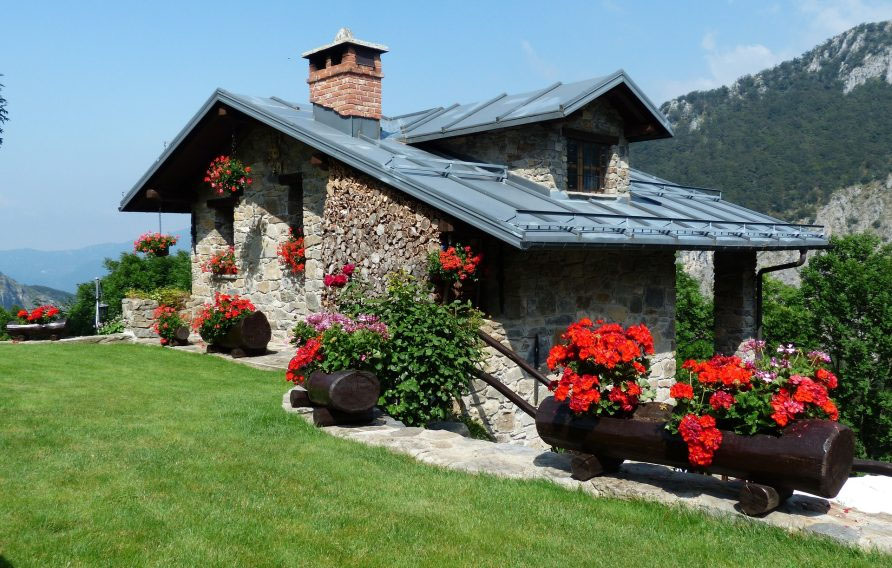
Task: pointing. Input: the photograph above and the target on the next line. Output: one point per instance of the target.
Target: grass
(129, 455)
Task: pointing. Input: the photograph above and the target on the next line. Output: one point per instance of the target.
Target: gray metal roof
(655, 213)
(556, 101)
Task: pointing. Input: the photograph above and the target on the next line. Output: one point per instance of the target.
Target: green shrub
(166, 296)
(114, 325)
(6, 316)
(428, 361)
(131, 272)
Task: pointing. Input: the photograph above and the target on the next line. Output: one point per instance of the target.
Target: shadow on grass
(4, 563)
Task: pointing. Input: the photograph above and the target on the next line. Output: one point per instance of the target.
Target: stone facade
(538, 152)
(260, 222)
(547, 291)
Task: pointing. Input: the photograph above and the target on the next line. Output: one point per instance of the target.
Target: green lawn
(129, 455)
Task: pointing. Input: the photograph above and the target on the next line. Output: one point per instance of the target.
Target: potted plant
(43, 322)
(227, 175)
(221, 264)
(453, 271)
(154, 244)
(292, 253)
(335, 363)
(170, 325)
(768, 420)
(233, 323)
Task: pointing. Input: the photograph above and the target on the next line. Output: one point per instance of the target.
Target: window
(586, 164)
(224, 223)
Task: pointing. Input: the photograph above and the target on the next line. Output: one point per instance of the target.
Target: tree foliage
(785, 319)
(693, 328)
(129, 272)
(782, 142)
(848, 292)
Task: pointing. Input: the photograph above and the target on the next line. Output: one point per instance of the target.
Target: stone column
(734, 299)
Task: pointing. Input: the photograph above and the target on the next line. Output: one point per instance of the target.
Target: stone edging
(634, 481)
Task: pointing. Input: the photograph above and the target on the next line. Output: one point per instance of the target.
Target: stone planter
(32, 331)
(248, 336)
(137, 316)
(814, 456)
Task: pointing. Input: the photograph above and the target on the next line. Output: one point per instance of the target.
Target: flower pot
(32, 331)
(162, 252)
(339, 398)
(248, 336)
(814, 456)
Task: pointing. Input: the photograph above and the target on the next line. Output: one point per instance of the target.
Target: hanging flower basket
(454, 272)
(228, 176)
(154, 244)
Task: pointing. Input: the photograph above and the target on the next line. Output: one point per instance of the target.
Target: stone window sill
(226, 277)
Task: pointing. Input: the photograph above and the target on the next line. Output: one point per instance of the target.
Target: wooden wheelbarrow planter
(249, 336)
(344, 397)
(25, 331)
(814, 456)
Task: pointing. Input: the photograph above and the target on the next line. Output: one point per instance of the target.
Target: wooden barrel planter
(180, 336)
(814, 456)
(32, 331)
(249, 336)
(343, 397)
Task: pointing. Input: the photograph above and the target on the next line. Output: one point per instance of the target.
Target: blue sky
(95, 89)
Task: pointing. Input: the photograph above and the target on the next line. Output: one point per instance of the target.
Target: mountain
(65, 269)
(14, 294)
(784, 140)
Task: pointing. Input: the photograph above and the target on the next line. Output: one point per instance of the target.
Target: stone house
(540, 182)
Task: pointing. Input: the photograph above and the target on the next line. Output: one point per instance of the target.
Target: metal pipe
(766, 270)
(489, 340)
(506, 392)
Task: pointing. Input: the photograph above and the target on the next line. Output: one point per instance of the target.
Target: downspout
(766, 270)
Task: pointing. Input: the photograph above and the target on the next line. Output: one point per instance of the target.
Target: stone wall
(261, 222)
(137, 316)
(376, 227)
(538, 152)
(547, 290)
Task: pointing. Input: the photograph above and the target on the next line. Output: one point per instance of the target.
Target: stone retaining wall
(137, 316)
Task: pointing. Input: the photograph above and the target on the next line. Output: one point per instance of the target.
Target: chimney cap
(345, 36)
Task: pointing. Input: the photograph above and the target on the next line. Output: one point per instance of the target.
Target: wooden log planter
(344, 397)
(32, 331)
(181, 336)
(249, 336)
(814, 456)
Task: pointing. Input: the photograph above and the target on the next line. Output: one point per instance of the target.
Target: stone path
(634, 481)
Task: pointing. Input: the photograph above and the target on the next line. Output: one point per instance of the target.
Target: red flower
(826, 378)
(721, 400)
(680, 391)
(701, 436)
(307, 354)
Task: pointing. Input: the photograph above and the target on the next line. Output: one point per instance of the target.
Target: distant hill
(784, 140)
(14, 294)
(65, 269)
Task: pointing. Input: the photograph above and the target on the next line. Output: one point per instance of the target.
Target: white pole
(96, 318)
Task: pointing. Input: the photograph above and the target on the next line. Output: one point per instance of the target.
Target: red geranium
(154, 243)
(760, 396)
(602, 366)
(221, 263)
(40, 315)
(215, 320)
(339, 278)
(292, 252)
(456, 263)
(228, 175)
(167, 321)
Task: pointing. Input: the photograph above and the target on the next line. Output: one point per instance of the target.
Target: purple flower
(754, 345)
(818, 356)
(766, 376)
(787, 349)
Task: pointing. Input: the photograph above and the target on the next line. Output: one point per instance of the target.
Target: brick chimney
(345, 76)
